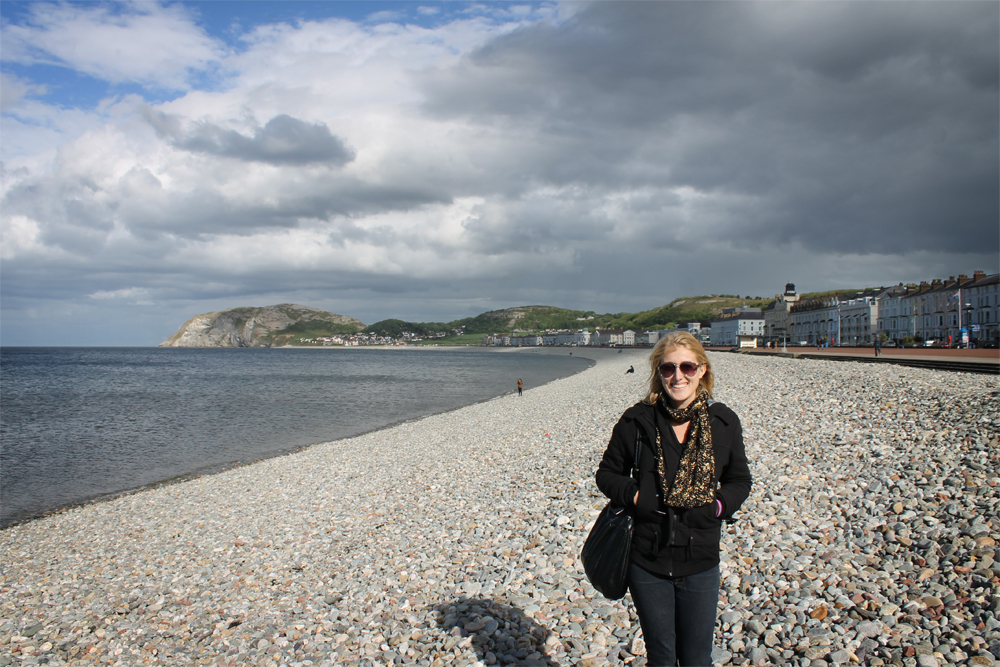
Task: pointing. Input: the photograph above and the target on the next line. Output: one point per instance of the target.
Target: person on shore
(693, 474)
(878, 345)
(520, 386)
(630, 370)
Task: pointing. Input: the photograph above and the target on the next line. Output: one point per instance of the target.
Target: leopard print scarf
(694, 483)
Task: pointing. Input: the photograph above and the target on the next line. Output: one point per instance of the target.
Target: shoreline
(405, 543)
(215, 469)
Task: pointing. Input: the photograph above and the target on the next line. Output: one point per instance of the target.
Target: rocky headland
(258, 326)
(869, 538)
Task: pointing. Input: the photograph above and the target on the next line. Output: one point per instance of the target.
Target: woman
(693, 473)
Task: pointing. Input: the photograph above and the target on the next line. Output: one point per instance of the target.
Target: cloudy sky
(429, 161)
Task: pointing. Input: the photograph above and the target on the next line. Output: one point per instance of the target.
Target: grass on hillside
(835, 292)
(308, 329)
(538, 319)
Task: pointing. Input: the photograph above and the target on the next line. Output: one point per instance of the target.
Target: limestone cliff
(259, 327)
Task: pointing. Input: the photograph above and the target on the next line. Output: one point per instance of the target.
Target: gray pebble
(456, 538)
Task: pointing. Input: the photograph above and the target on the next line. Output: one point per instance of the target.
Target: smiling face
(679, 389)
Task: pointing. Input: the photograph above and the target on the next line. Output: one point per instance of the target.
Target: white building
(496, 340)
(652, 336)
(980, 307)
(526, 340)
(736, 324)
(563, 337)
(894, 312)
(936, 308)
(859, 318)
(941, 309)
(815, 320)
(609, 337)
(776, 315)
(581, 337)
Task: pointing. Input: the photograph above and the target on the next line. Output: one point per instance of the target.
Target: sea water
(83, 423)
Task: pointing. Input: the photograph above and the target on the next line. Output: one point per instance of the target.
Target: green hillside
(537, 319)
(523, 318)
(395, 328)
(685, 309)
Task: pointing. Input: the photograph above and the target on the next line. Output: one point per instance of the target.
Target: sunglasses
(688, 368)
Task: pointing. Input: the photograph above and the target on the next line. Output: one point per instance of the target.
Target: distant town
(405, 338)
(960, 311)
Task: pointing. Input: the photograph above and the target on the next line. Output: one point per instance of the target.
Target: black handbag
(606, 552)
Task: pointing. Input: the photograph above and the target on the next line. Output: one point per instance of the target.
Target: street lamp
(967, 308)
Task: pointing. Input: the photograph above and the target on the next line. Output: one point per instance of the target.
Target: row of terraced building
(953, 310)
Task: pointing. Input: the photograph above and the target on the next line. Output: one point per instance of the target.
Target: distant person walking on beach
(878, 345)
(693, 473)
(520, 386)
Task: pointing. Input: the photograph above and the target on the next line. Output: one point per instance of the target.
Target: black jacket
(667, 540)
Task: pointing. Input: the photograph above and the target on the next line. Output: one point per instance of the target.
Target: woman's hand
(635, 501)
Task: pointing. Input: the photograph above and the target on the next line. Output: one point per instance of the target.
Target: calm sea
(81, 423)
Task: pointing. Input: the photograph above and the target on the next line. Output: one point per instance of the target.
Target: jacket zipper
(670, 541)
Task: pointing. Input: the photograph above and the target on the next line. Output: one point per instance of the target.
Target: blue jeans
(677, 615)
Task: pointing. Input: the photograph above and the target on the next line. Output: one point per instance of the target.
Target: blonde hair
(673, 340)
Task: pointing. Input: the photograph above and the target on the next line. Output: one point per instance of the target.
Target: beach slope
(452, 540)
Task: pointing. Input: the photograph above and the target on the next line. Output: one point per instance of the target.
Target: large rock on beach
(869, 538)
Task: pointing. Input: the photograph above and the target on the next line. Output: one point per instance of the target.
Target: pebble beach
(869, 537)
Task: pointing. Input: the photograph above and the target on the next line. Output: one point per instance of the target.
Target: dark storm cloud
(282, 141)
(537, 226)
(77, 214)
(837, 125)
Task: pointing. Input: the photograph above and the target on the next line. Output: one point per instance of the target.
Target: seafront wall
(869, 537)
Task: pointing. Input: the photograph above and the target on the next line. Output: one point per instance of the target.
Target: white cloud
(33, 130)
(13, 90)
(139, 42)
(124, 293)
(20, 235)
